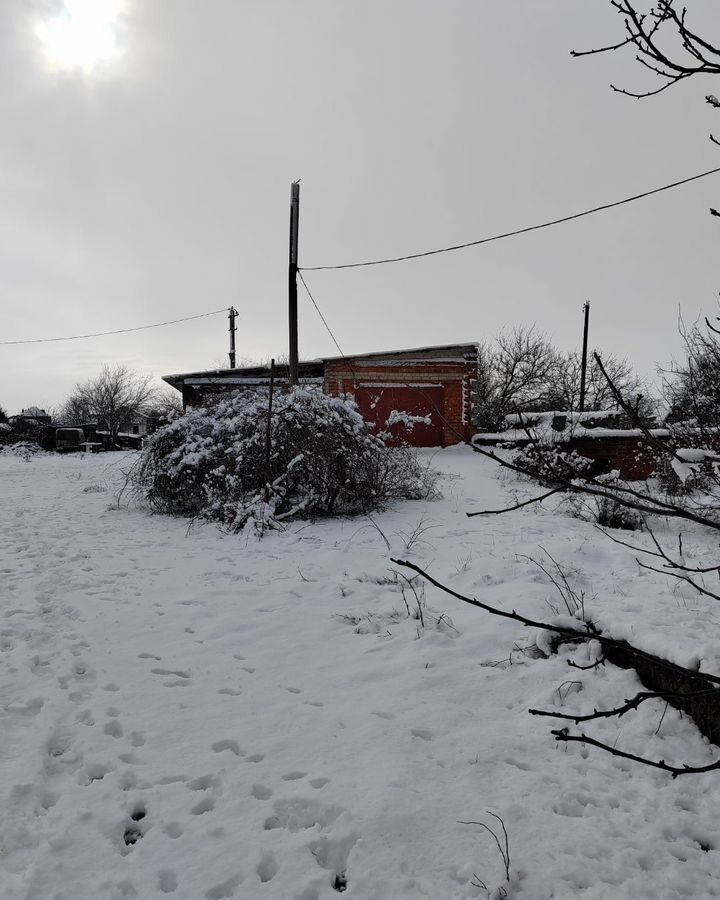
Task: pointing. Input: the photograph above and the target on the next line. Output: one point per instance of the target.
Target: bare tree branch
(585, 631)
(562, 735)
(497, 512)
(628, 706)
(691, 55)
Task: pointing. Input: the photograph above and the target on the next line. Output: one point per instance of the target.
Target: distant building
(30, 422)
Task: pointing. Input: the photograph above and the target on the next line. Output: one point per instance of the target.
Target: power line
(508, 234)
(78, 337)
(321, 315)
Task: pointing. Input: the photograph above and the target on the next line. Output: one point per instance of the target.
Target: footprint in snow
(173, 830)
(94, 772)
(113, 728)
(298, 813)
(422, 733)
(167, 881)
(179, 673)
(267, 868)
(207, 804)
(224, 889)
(130, 759)
(228, 744)
(204, 783)
(182, 677)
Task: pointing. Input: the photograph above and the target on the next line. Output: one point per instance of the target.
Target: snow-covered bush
(24, 449)
(548, 462)
(211, 463)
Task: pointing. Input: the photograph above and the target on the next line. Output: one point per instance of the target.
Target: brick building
(431, 385)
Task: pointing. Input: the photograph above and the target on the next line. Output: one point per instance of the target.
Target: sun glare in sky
(82, 35)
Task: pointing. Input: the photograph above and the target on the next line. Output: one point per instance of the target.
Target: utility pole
(232, 312)
(292, 281)
(583, 370)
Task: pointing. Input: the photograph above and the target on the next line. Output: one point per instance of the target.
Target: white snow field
(199, 715)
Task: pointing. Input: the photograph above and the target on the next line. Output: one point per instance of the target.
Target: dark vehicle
(69, 439)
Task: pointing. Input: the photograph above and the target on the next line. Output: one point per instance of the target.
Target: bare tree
(564, 389)
(691, 386)
(513, 372)
(115, 395)
(664, 44)
(166, 405)
(523, 371)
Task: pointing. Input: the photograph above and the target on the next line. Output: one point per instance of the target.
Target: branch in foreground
(589, 486)
(647, 666)
(645, 31)
(670, 563)
(497, 512)
(588, 633)
(563, 736)
(629, 705)
(686, 578)
(573, 633)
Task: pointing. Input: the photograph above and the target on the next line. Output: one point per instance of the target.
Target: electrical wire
(324, 321)
(78, 337)
(508, 234)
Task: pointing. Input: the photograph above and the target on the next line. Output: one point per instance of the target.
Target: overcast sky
(156, 185)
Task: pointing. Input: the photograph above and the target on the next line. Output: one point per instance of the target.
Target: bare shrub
(612, 514)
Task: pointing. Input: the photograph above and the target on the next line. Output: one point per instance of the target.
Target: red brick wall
(342, 377)
(635, 458)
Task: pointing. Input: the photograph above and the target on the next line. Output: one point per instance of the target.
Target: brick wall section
(634, 457)
(343, 376)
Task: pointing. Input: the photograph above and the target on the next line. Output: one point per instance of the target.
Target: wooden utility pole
(232, 312)
(292, 281)
(583, 370)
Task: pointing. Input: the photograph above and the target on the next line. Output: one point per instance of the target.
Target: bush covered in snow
(211, 463)
(25, 449)
(546, 463)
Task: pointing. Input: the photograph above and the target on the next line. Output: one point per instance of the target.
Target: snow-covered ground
(200, 715)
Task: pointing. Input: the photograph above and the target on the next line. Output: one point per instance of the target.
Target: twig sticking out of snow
(503, 848)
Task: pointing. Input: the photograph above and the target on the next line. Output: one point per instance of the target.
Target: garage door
(377, 404)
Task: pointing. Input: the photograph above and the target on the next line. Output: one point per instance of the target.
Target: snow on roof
(471, 347)
(308, 367)
(557, 427)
